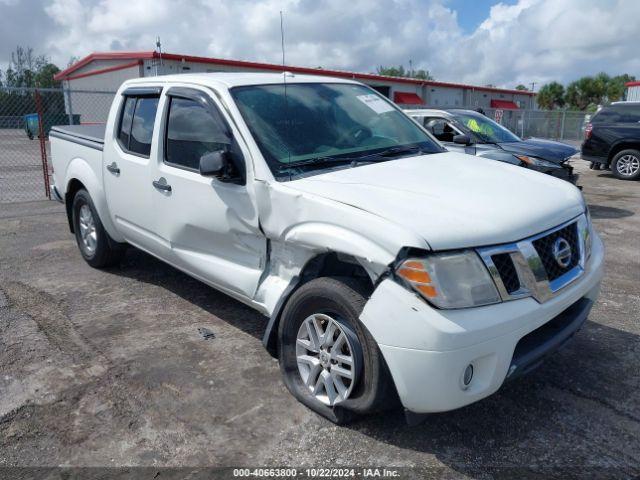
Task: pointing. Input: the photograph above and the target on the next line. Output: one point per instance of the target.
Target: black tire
(107, 252)
(622, 158)
(343, 299)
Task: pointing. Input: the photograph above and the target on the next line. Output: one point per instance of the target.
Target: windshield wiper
(316, 161)
(388, 153)
(353, 160)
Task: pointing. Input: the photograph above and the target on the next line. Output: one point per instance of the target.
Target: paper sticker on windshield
(375, 103)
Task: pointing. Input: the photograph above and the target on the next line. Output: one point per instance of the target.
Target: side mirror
(462, 139)
(214, 164)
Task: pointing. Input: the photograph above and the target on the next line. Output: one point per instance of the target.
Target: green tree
(44, 76)
(522, 87)
(422, 75)
(28, 70)
(400, 71)
(616, 86)
(392, 71)
(586, 91)
(551, 96)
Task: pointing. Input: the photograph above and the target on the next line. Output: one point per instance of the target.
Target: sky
(474, 41)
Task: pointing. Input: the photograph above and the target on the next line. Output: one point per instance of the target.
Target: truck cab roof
(234, 79)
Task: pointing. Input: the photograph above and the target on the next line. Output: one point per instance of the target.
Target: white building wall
(94, 107)
(633, 94)
(444, 97)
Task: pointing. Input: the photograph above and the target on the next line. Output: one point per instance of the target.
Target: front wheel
(329, 361)
(626, 164)
(97, 248)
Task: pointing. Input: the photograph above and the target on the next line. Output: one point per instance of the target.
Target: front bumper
(427, 350)
(563, 172)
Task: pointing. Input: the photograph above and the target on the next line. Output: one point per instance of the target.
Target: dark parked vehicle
(612, 140)
(473, 133)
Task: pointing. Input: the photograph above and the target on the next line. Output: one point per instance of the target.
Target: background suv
(612, 140)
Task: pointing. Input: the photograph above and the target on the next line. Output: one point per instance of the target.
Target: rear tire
(626, 164)
(336, 301)
(96, 246)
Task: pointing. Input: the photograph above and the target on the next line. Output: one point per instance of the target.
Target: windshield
(484, 128)
(322, 125)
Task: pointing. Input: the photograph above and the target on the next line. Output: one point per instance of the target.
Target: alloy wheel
(88, 232)
(628, 165)
(326, 360)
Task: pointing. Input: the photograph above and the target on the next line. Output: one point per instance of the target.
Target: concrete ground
(108, 368)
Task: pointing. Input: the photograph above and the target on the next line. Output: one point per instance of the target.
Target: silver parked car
(473, 133)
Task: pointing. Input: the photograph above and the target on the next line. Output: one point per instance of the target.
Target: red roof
(407, 98)
(632, 84)
(504, 104)
(66, 74)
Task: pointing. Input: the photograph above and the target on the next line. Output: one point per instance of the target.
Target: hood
(556, 152)
(452, 200)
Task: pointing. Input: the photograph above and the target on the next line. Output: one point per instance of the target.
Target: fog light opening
(468, 376)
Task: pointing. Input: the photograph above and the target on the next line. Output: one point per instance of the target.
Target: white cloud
(534, 40)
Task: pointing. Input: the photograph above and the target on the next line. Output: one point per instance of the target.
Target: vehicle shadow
(601, 211)
(143, 267)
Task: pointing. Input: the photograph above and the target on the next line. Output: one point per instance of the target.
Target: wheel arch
(326, 264)
(81, 174)
(622, 145)
(73, 187)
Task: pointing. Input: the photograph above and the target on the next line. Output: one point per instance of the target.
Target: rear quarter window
(136, 124)
(618, 114)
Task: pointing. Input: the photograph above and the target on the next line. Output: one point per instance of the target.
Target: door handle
(161, 184)
(113, 168)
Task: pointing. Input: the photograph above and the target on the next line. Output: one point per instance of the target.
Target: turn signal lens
(416, 264)
(414, 272)
(427, 290)
(524, 159)
(450, 280)
(412, 275)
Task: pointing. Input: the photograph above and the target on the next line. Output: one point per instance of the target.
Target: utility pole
(533, 86)
(410, 68)
(159, 50)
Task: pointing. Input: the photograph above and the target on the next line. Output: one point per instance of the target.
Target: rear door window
(630, 114)
(618, 114)
(136, 126)
(125, 122)
(142, 125)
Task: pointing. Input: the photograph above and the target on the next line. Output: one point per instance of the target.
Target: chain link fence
(26, 117)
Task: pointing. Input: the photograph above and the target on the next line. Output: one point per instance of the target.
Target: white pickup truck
(389, 269)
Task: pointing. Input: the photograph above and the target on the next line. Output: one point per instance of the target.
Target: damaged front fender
(301, 227)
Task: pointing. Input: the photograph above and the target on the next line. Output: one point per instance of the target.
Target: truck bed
(73, 147)
(88, 135)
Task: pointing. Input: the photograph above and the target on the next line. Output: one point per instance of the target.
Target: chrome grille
(507, 271)
(529, 268)
(544, 247)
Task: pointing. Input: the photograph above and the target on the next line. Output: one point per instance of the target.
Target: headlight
(587, 235)
(538, 162)
(450, 280)
(586, 229)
